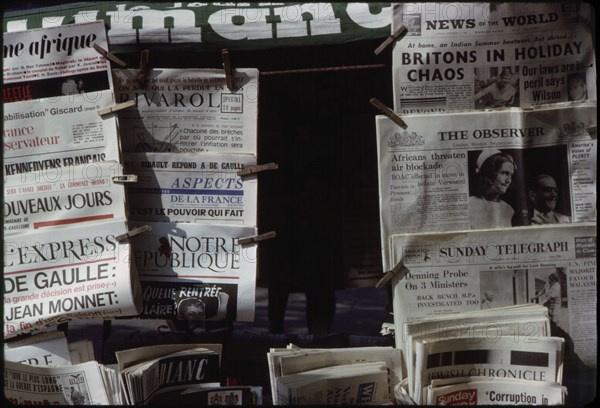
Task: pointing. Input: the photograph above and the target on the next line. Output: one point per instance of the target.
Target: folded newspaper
(479, 170)
(464, 56)
(85, 193)
(322, 372)
(148, 372)
(188, 110)
(82, 272)
(192, 187)
(79, 384)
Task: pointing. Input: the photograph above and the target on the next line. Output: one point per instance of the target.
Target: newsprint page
(554, 266)
(465, 56)
(437, 174)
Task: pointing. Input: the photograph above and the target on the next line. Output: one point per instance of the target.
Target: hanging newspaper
(188, 111)
(476, 170)
(82, 272)
(196, 272)
(76, 194)
(54, 61)
(51, 134)
(43, 349)
(192, 187)
(471, 270)
(80, 384)
(464, 56)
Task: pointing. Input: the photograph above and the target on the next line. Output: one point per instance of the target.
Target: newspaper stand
(319, 209)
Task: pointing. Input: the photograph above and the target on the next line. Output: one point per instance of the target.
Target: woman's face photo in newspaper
(504, 177)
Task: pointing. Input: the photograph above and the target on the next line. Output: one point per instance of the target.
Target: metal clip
(133, 233)
(127, 178)
(257, 238)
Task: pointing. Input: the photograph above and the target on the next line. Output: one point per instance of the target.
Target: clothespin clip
(400, 32)
(388, 112)
(108, 55)
(227, 68)
(399, 270)
(142, 74)
(246, 171)
(115, 108)
(133, 233)
(593, 131)
(257, 238)
(128, 178)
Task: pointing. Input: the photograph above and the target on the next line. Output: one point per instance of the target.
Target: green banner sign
(216, 25)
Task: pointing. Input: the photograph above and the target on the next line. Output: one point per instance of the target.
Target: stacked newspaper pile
(186, 373)
(505, 343)
(348, 376)
(187, 139)
(64, 207)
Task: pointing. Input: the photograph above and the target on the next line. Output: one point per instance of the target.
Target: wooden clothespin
(593, 131)
(388, 112)
(227, 68)
(247, 171)
(126, 178)
(142, 75)
(117, 107)
(399, 270)
(257, 238)
(108, 55)
(133, 233)
(400, 32)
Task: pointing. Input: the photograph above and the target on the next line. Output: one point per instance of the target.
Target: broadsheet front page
(187, 270)
(54, 61)
(188, 110)
(551, 265)
(76, 194)
(82, 272)
(192, 187)
(464, 56)
(443, 172)
(54, 133)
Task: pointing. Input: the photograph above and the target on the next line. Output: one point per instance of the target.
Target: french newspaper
(54, 61)
(88, 383)
(188, 110)
(192, 187)
(51, 134)
(51, 278)
(480, 170)
(465, 56)
(554, 266)
(75, 194)
(196, 271)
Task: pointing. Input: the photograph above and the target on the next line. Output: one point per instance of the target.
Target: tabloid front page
(192, 187)
(82, 272)
(464, 56)
(80, 384)
(476, 170)
(189, 110)
(76, 194)
(51, 134)
(453, 272)
(187, 268)
(54, 61)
